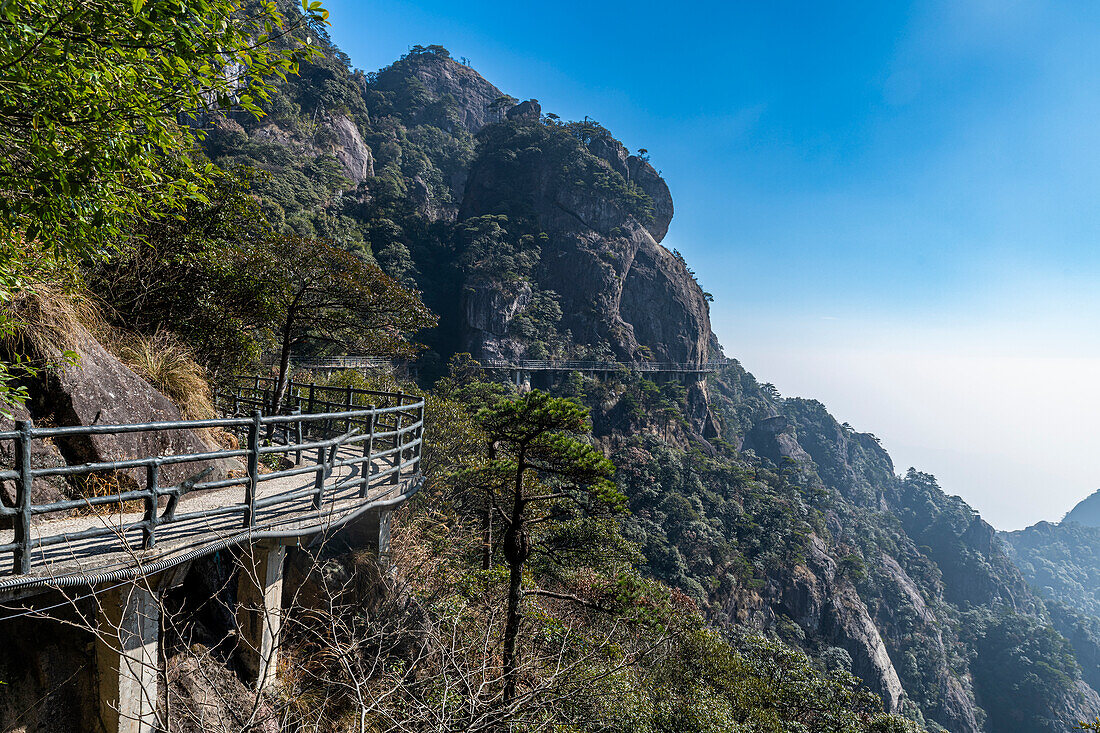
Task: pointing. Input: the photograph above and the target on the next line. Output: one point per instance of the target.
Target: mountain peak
(1087, 511)
(428, 76)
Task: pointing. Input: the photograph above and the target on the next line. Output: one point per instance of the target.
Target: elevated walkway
(546, 372)
(340, 456)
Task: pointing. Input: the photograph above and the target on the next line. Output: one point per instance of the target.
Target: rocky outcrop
(848, 625)
(642, 174)
(101, 390)
(827, 607)
(470, 101)
(772, 437)
(488, 310)
(350, 149)
(529, 111)
(662, 303)
(617, 284)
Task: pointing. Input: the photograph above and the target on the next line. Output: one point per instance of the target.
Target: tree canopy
(91, 97)
(322, 295)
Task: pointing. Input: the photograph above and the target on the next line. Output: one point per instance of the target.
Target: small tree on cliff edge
(323, 294)
(539, 468)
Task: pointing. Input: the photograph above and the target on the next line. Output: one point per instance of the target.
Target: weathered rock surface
(474, 102)
(825, 607)
(529, 111)
(350, 149)
(47, 670)
(617, 284)
(101, 390)
(640, 172)
(773, 438)
(488, 311)
(44, 454)
(849, 625)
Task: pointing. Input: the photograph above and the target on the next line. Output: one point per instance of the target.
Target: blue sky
(894, 204)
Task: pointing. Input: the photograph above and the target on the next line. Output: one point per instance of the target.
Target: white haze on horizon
(1002, 409)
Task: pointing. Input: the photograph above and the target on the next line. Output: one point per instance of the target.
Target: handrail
(389, 427)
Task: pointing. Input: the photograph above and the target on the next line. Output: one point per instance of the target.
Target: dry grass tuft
(45, 322)
(170, 366)
(105, 483)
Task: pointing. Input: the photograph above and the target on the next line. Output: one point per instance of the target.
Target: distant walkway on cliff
(547, 372)
(534, 365)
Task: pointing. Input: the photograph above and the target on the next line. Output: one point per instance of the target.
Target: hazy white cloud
(1002, 410)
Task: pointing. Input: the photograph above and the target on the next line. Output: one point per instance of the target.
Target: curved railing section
(339, 445)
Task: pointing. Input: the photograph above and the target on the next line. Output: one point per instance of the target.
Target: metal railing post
(253, 468)
(368, 451)
(395, 477)
(312, 397)
(297, 434)
(319, 481)
(349, 406)
(22, 563)
(419, 435)
(149, 528)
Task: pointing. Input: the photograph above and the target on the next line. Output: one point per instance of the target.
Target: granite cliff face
(424, 82)
(617, 284)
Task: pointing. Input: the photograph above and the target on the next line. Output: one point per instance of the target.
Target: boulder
(101, 390)
(529, 111)
(612, 151)
(206, 697)
(773, 437)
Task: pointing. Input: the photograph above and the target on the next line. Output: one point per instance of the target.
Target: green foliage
(709, 525)
(1061, 561)
(89, 98)
(187, 273)
(320, 295)
(516, 149)
(490, 254)
(1026, 672)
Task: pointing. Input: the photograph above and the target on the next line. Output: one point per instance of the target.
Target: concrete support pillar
(259, 610)
(127, 652)
(371, 531)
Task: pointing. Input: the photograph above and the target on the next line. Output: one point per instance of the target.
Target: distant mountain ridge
(1086, 512)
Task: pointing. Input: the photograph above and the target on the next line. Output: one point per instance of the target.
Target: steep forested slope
(1062, 563)
(536, 238)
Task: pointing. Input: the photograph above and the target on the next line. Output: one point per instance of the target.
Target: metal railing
(388, 426)
(609, 366)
